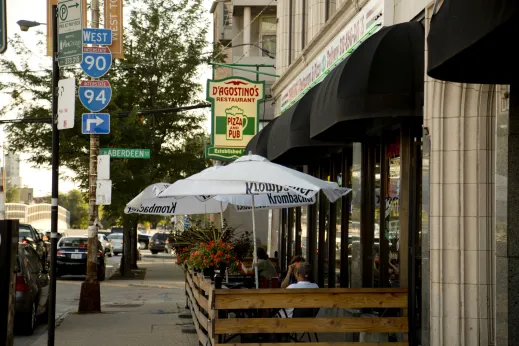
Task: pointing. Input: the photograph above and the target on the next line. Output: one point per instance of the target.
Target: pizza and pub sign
(235, 104)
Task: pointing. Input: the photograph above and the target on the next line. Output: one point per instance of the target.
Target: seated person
(265, 268)
(302, 273)
(290, 278)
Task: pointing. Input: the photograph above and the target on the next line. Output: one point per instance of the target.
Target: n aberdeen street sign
(70, 30)
(120, 153)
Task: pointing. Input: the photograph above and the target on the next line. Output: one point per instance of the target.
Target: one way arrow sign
(97, 121)
(95, 124)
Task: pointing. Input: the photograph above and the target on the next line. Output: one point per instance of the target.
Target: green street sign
(3, 26)
(119, 153)
(70, 32)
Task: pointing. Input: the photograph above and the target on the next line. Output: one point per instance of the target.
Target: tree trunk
(134, 244)
(126, 263)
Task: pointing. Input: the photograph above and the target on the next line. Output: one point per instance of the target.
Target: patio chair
(299, 313)
(304, 313)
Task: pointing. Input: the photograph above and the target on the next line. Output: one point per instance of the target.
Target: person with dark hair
(290, 278)
(265, 268)
(303, 274)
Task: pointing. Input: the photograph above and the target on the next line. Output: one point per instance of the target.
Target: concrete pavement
(134, 312)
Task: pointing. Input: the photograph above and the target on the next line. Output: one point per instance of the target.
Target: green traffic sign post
(70, 32)
(3, 26)
(120, 153)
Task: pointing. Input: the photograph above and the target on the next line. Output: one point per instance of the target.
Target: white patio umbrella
(148, 203)
(251, 176)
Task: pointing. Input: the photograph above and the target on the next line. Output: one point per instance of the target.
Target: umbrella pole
(221, 214)
(254, 242)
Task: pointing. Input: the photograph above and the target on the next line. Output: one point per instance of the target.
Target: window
(227, 14)
(268, 31)
(160, 236)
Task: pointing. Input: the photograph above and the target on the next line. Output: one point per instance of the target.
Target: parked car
(28, 235)
(32, 290)
(107, 245)
(105, 233)
(72, 257)
(116, 239)
(61, 234)
(142, 238)
(158, 243)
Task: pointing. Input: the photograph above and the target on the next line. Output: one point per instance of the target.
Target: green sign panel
(3, 27)
(119, 153)
(70, 31)
(235, 108)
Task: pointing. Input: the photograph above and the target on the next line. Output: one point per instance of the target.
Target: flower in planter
(183, 255)
(214, 254)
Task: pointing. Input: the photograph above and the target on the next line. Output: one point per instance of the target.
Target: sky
(35, 10)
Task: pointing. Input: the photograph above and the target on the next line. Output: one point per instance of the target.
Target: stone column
(297, 25)
(282, 47)
(461, 121)
(246, 31)
(316, 17)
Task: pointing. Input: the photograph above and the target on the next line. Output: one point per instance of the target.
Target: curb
(61, 318)
(151, 286)
(42, 339)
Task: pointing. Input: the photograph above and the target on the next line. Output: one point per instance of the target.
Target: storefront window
(338, 222)
(392, 209)
(354, 248)
(304, 231)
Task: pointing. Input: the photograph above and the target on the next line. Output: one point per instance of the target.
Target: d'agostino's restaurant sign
(235, 104)
(368, 21)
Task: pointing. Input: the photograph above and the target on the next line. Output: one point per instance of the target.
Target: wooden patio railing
(210, 307)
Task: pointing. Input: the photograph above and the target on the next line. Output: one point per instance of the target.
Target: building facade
(247, 33)
(12, 170)
(428, 160)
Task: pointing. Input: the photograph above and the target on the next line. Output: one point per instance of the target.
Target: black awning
(289, 140)
(474, 41)
(380, 80)
(259, 144)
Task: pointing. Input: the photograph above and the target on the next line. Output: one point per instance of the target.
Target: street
(113, 292)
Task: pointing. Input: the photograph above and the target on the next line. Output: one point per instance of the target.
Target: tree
(76, 203)
(164, 47)
(12, 195)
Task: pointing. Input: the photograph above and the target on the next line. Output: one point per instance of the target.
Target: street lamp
(24, 26)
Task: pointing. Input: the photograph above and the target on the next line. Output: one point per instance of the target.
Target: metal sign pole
(55, 178)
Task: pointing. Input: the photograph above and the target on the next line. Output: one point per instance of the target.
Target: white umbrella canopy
(147, 202)
(253, 175)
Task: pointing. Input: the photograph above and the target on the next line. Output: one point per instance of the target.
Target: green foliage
(198, 233)
(164, 46)
(12, 195)
(76, 203)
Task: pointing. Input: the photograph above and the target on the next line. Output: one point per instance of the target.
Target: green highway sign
(3, 26)
(118, 153)
(70, 32)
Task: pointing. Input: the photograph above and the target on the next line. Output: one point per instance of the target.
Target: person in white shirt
(302, 274)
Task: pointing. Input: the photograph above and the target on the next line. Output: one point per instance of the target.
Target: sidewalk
(135, 312)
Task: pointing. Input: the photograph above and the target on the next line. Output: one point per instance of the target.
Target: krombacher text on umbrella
(255, 188)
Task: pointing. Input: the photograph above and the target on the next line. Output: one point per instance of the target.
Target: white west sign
(368, 21)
